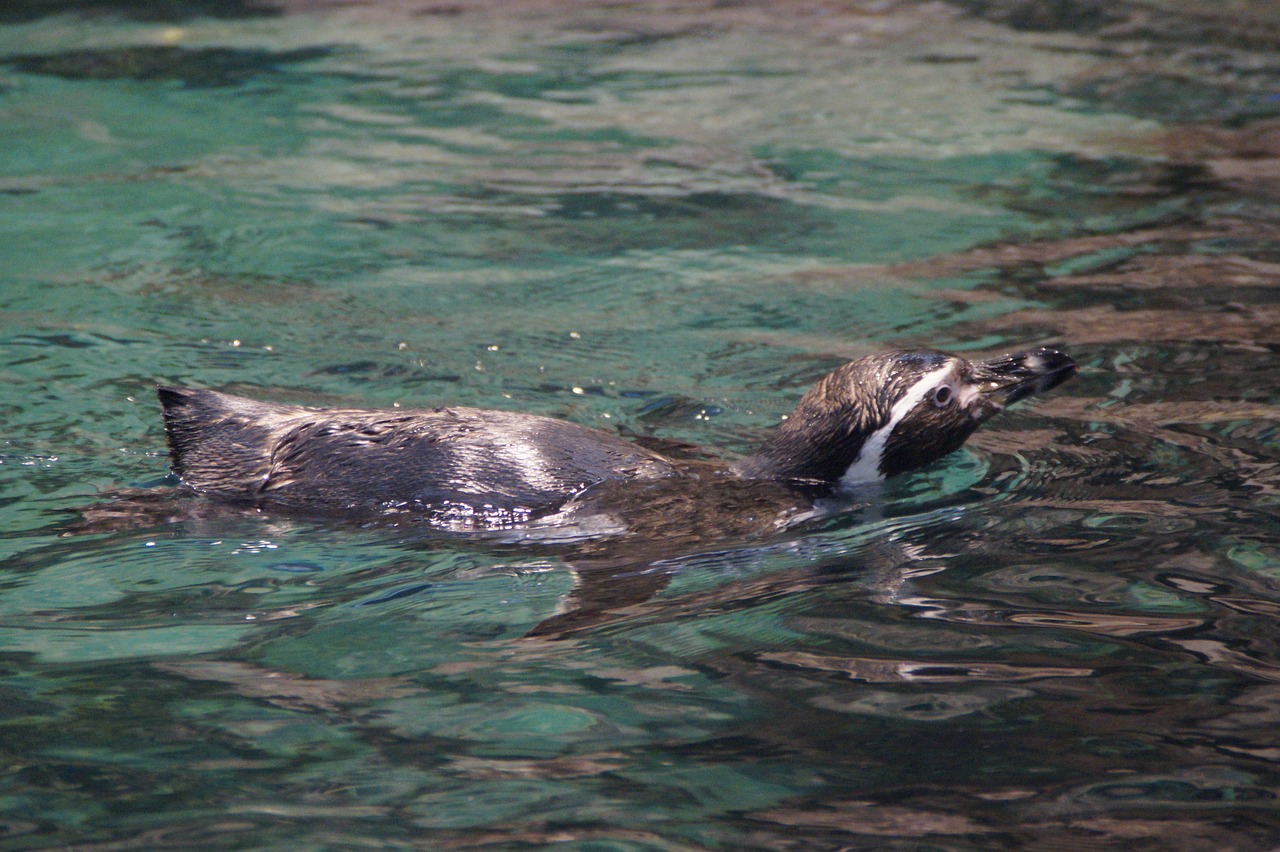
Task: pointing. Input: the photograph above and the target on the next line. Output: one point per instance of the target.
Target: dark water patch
(24, 11)
(573, 80)
(64, 340)
(679, 221)
(1241, 160)
(1232, 25)
(1180, 236)
(1196, 283)
(296, 567)
(606, 34)
(1167, 280)
(199, 67)
(607, 138)
(360, 368)
(396, 594)
(1080, 16)
(1107, 193)
(883, 178)
(1248, 325)
(1184, 98)
(686, 218)
(1202, 64)
(782, 199)
(409, 377)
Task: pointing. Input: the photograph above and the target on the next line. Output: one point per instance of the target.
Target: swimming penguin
(876, 417)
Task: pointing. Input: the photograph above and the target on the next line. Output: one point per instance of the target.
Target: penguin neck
(818, 442)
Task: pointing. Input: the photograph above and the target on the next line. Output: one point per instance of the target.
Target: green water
(669, 221)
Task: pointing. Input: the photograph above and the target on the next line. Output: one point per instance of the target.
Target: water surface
(664, 220)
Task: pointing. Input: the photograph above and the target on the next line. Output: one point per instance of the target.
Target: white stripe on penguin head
(866, 467)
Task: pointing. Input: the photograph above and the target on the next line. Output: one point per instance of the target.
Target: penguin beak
(1009, 378)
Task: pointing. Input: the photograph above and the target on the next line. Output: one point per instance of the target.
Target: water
(667, 221)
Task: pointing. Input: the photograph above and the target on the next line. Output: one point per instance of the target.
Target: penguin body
(876, 417)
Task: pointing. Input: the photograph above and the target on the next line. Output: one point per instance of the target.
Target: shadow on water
(621, 554)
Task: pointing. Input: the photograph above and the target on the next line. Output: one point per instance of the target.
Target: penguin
(877, 417)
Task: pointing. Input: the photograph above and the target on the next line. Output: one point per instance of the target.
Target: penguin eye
(942, 395)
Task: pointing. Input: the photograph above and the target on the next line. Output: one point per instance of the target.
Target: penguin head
(931, 402)
(897, 411)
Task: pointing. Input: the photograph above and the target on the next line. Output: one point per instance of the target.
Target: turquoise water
(667, 221)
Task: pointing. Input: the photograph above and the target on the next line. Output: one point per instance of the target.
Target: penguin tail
(221, 444)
